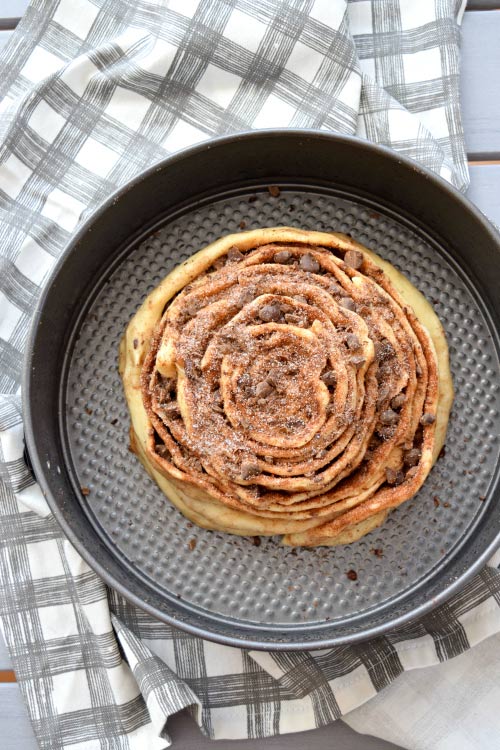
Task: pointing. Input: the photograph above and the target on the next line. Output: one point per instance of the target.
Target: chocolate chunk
(247, 295)
(249, 469)
(394, 477)
(358, 360)
(270, 313)
(347, 303)
(294, 320)
(234, 254)
(172, 410)
(398, 401)
(412, 457)
(352, 342)
(274, 376)
(282, 257)
(386, 432)
(309, 263)
(388, 416)
(274, 191)
(354, 259)
(427, 418)
(263, 389)
(352, 575)
(329, 378)
(383, 350)
(382, 395)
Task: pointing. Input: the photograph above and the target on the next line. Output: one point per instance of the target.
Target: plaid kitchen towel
(92, 92)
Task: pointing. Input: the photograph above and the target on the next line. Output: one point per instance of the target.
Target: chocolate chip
(135, 343)
(234, 254)
(398, 401)
(394, 477)
(352, 575)
(249, 469)
(274, 191)
(329, 378)
(263, 389)
(308, 263)
(354, 259)
(427, 418)
(270, 313)
(348, 303)
(282, 257)
(412, 457)
(388, 416)
(358, 360)
(352, 342)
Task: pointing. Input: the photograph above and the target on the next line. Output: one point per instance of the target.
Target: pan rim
(39, 470)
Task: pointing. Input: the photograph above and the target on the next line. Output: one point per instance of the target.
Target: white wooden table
(481, 107)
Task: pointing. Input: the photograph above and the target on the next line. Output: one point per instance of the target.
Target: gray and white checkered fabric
(92, 92)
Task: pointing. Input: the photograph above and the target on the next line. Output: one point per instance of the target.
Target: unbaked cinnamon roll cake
(287, 382)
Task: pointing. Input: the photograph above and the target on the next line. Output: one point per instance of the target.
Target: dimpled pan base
(228, 578)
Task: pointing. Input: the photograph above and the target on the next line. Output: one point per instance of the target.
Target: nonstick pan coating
(217, 585)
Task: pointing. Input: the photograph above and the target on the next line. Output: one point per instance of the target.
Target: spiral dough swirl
(280, 384)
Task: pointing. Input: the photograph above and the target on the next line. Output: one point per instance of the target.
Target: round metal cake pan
(220, 586)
